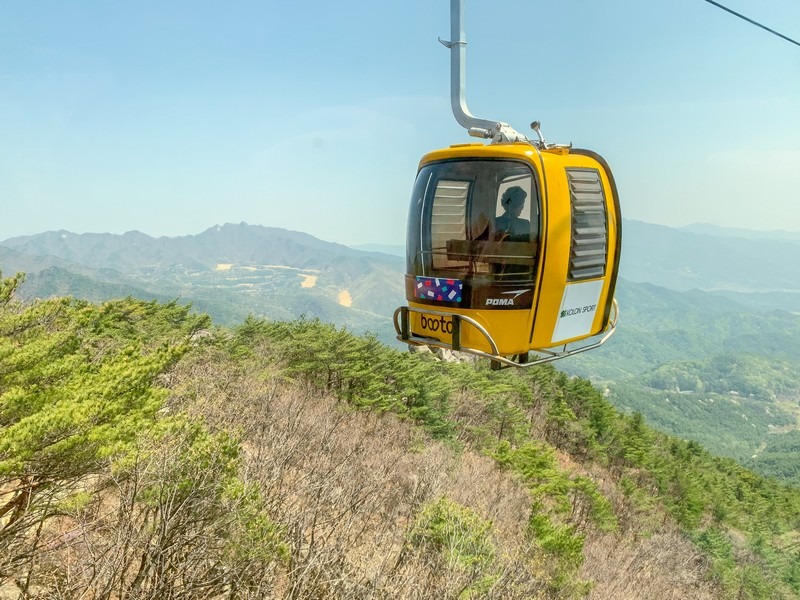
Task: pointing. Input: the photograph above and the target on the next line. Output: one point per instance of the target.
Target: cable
(756, 23)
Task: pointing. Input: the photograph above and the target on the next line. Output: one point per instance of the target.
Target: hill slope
(297, 460)
(668, 342)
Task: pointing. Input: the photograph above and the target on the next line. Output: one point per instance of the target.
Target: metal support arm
(482, 128)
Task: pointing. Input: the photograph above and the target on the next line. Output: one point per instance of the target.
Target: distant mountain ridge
(391, 249)
(716, 230)
(229, 271)
(758, 272)
(229, 243)
(234, 258)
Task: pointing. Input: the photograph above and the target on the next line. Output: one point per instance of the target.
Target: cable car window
(475, 218)
(589, 247)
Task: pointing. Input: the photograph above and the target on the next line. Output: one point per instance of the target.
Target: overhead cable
(751, 21)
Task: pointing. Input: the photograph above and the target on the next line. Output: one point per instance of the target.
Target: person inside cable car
(509, 227)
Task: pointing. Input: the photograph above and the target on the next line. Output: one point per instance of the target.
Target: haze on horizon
(168, 119)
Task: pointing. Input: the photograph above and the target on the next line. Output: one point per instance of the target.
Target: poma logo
(505, 301)
(499, 302)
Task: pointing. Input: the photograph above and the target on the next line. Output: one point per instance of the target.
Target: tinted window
(474, 218)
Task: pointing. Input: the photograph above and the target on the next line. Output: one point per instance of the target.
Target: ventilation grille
(589, 249)
(448, 221)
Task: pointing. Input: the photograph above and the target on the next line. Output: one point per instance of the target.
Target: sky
(170, 117)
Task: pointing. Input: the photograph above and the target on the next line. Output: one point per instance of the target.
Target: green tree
(73, 397)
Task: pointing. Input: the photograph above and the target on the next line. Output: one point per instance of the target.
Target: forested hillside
(707, 369)
(145, 453)
(696, 364)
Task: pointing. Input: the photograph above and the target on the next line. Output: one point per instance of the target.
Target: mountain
(753, 271)
(703, 368)
(716, 230)
(59, 281)
(758, 272)
(392, 250)
(684, 260)
(231, 243)
(229, 271)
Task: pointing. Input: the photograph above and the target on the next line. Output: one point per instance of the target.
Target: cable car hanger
(481, 128)
(513, 246)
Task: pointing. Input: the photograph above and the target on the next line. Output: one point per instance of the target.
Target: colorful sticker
(438, 289)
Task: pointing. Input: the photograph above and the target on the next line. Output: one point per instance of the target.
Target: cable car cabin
(511, 248)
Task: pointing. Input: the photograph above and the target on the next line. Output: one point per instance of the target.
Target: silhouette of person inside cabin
(509, 227)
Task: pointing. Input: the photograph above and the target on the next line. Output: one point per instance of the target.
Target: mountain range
(228, 271)
(724, 262)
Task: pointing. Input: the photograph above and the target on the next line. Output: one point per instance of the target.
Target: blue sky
(170, 117)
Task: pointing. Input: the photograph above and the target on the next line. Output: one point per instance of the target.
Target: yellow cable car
(512, 246)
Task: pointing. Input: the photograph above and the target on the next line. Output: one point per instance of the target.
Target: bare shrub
(349, 487)
(663, 566)
(173, 522)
